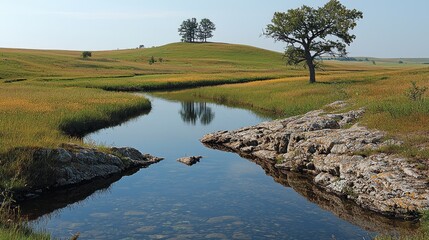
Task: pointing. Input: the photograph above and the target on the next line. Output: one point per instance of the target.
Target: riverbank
(71, 164)
(340, 155)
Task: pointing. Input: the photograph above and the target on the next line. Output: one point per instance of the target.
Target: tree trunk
(311, 66)
(312, 70)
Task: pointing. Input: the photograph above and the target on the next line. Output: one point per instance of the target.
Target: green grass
(12, 225)
(35, 116)
(17, 233)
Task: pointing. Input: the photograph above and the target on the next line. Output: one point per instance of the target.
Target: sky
(390, 28)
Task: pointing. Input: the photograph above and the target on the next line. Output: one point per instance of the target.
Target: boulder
(72, 164)
(190, 160)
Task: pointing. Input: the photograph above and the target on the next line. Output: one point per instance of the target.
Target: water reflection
(191, 112)
(51, 202)
(340, 206)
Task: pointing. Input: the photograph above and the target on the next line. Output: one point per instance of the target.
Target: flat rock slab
(190, 160)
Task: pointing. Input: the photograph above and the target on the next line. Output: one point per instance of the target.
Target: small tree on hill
(310, 33)
(151, 60)
(86, 54)
(205, 29)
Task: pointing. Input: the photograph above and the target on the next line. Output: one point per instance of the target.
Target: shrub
(415, 93)
(86, 54)
(152, 60)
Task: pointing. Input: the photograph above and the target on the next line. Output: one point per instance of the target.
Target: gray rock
(73, 164)
(190, 160)
(317, 144)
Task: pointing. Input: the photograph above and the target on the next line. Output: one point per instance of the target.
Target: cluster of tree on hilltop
(192, 31)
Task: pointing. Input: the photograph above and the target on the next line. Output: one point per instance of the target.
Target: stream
(222, 197)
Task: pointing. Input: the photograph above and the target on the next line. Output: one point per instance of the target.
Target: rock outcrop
(190, 160)
(341, 158)
(72, 164)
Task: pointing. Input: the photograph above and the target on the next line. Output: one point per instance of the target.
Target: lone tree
(191, 30)
(188, 30)
(205, 29)
(311, 33)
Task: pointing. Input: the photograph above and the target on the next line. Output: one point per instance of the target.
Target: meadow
(52, 97)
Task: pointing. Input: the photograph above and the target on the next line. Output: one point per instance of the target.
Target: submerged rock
(190, 160)
(341, 160)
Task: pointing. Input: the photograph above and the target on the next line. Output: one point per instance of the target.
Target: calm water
(223, 196)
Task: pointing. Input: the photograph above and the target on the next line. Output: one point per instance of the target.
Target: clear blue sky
(390, 28)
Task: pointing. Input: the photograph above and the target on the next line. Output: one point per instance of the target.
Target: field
(53, 97)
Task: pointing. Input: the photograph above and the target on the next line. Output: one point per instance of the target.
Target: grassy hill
(177, 58)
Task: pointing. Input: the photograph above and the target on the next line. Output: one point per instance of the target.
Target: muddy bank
(339, 156)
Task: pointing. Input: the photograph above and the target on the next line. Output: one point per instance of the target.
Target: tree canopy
(191, 31)
(205, 29)
(188, 30)
(311, 33)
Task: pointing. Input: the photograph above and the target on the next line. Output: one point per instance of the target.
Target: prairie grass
(34, 116)
(12, 225)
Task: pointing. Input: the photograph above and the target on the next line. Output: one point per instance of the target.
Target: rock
(190, 160)
(317, 144)
(63, 155)
(73, 164)
(337, 105)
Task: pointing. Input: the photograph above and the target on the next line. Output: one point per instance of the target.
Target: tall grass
(12, 224)
(44, 116)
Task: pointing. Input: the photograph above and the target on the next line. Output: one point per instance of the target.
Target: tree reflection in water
(191, 112)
